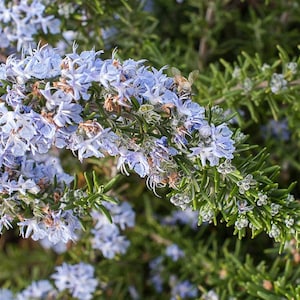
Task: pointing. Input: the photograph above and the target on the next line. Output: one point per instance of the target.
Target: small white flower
(210, 295)
(206, 214)
(247, 85)
(241, 223)
(236, 72)
(290, 198)
(289, 222)
(265, 67)
(246, 183)
(274, 232)
(262, 199)
(181, 200)
(275, 209)
(226, 167)
(277, 83)
(292, 66)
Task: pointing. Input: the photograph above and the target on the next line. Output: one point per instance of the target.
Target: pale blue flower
(6, 294)
(38, 290)
(58, 248)
(183, 289)
(54, 97)
(224, 145)
(156, 268)
(4, 41)
(107, 236)
(122, 214)
(157, 282)
(108, 240)
(43, 62)
(78, 279)
(62, 226)
(135, 160)
(34, 227)
(20, 185)
(67, 113)
(21, 21)
(109, 74)
(90, 144)
(174, 252)
(133, 293)
(5, 221)
(162, 151)
(276, 129)
(214, 143)
(44, 167)
(156, 264)
(187, 217)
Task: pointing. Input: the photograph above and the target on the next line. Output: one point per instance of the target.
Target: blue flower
(108, 240)
(6, 294)
(174, 252)
(157, 282)
(109, 75)
(107, 236)
(92, 140)
(5, 221)
(34, 227)
(21, 185)
(156, 268)
(187, 216)
(67, 113)
(78, 279)
(161, 155)
(58, 248)
(135, 160)
(44, 168)
(41, 289)
(54, 99)
(43, 62)
(23, 20)
(183, 289)
(61, 226)
(56, 226)
(214, 143)
(121, 214)
(277, 129)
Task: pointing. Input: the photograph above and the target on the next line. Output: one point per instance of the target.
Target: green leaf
(105, 211)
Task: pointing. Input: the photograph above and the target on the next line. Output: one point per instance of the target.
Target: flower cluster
(106, 235)
(59, 121)
(182, 289)
(41, 289)
(187, 217)
(77, 280)
(57, 227)
(139, 115)
(179, 289)
(174, 252)
(276, 129)
(20, 22)
(246, 183)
